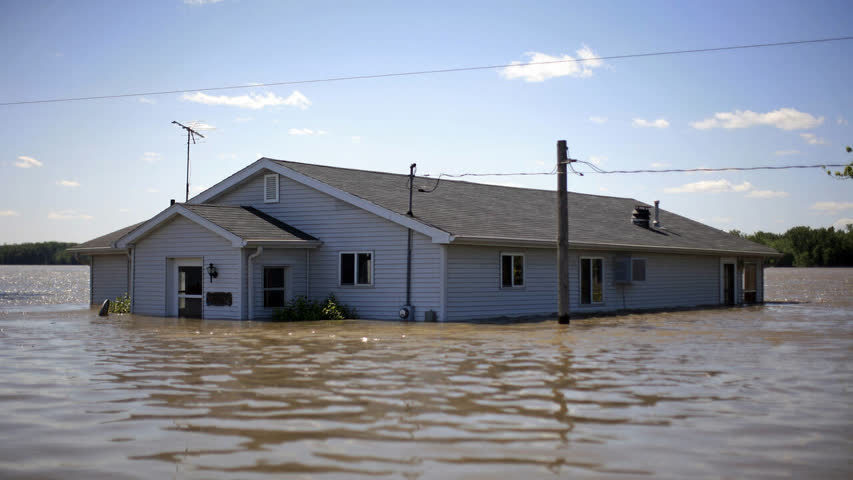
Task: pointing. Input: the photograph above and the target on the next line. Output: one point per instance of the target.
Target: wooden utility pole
(190, 135)
(562, 233)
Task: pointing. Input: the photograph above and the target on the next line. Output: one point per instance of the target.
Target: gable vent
(271, 188)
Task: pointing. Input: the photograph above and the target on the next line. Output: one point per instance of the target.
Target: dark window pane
(585, 281)
(597, 281)
(189, 280)
(273, 278)
(347, 269)
(274, 298)
(189, 307)
(506, 271)
(518, 270)
(364, 267)
(638, 270)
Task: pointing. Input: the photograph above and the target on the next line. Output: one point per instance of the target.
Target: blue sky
(72, 171)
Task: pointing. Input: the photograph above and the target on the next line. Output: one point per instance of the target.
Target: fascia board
(166, 215)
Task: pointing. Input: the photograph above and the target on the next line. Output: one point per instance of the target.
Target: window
(356, 269)
(638, 269)
(592, 280)
(271, 188)
(512, 270)
(273, 287)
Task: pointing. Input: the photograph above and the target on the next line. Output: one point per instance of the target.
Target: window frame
(645, 269)
(591, 277)
(355, 272)
(269, 200)
(512, 285)
(265, 289)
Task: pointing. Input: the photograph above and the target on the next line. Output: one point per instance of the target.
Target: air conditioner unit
(407, 312)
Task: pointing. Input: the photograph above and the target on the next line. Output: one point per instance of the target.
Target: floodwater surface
(755, 392)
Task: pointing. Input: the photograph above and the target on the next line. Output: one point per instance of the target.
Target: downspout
(249, 281)
(409, 249)
(131, 253)
(307, 273)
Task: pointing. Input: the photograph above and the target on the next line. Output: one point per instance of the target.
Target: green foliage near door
(304, 309)
(120, 304)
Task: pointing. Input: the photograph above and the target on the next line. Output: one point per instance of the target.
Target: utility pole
(562, 233)
(190, 135)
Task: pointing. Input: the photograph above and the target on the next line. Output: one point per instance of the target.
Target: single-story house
(278, 229)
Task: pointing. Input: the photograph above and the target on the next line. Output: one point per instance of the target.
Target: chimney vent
(641, 216)
(657, 214)
(171, 202)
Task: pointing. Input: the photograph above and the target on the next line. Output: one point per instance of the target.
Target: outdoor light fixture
(211, 270)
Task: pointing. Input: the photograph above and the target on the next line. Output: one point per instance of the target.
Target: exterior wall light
(211, 270)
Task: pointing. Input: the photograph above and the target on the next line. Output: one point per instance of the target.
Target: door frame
(723, 263)
(172, 287)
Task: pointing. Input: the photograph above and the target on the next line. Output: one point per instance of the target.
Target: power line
(430, 72)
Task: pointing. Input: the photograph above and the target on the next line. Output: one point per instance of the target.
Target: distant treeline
(808, 247)
(40, 253)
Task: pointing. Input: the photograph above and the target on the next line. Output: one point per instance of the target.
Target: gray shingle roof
(104, 241)
(248, 223)
(466, 209)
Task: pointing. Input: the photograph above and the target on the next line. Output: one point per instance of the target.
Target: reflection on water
(26, 288)
(758, 392)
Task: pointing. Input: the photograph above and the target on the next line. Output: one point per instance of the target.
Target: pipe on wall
(250, 281)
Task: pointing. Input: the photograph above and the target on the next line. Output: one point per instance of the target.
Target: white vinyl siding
(181, 238)
(109, 277)
(271, 188)
(345, 228)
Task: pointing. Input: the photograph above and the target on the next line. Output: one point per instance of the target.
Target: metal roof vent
(641, 216)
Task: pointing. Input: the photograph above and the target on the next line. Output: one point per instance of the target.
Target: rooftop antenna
(190, 136)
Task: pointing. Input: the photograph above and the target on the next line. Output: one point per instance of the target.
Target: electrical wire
(431, 72)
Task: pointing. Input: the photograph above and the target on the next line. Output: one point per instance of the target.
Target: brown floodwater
(754, 392)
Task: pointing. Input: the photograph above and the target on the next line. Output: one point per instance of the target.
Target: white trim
(437, 235)
(442, 274)
(167, 214)
(355, 254)
(723, 262)
(178, 262)
(267, 198)
(592, 302)
(513, 286)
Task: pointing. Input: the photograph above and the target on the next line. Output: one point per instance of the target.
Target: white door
(188, 277)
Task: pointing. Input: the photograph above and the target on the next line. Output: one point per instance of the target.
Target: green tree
(847, 173)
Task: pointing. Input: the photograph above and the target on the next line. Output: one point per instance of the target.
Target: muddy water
(757, 392)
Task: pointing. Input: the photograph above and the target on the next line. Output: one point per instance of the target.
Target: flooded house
(276, 230)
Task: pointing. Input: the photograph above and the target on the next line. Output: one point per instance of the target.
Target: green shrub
(304, 309)
(120, 304)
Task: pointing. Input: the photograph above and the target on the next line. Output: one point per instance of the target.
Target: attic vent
(271, 188)
(641, 216)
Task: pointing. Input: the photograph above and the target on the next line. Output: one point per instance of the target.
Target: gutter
(527, 242)
(250, 280)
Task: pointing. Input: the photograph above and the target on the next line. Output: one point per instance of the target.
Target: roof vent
(641, 216)
(657, 214)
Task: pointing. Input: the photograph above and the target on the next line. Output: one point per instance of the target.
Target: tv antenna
(190, 136)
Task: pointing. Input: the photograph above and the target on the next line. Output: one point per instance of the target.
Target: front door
(189, 286)
(729, 283)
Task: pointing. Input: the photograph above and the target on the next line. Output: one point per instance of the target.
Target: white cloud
(564, 66)
(123, 210)
(27, 162)
(813, 139)
(306, 132)
(832, 206)
(355, 139)
(199, 125)
(597, 159)
(68, 215)
(841, 120)
(766, 194)
(787, 152)
(150, 157)
(659, 164)
(243, 119)
(147, 100)
(783, 118)
(842, 223)
(642, 122)
(598, 120)
(8, 213)
(710, 186)
(152, 190)
(721, 220)
(201, 2)
(197, 188)
(68, 183)
(251, 101)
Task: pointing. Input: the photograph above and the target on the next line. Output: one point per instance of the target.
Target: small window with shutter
(271, 188)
